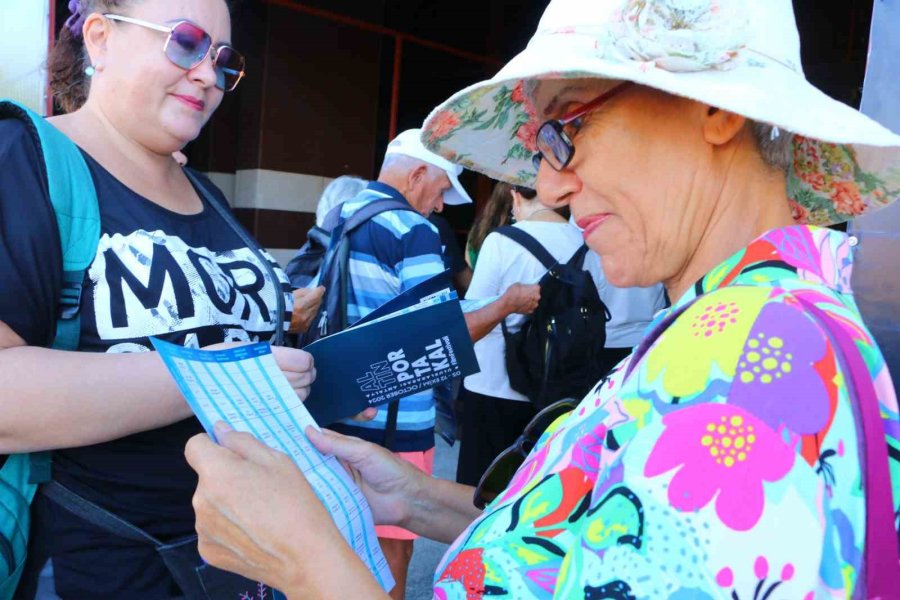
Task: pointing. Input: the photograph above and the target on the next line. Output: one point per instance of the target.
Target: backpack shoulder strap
(252, 245)
(529, 243)
(74, 200)
(880, 554)
(577, 259)
(370, 210)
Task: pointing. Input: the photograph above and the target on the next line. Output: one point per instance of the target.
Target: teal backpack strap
(74, 199)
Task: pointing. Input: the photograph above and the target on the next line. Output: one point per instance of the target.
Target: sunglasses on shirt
(501, 471)
(188, 45)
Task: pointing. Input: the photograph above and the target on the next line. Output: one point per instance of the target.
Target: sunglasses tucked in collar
(500, 472)
(187, 45)
(554, 144)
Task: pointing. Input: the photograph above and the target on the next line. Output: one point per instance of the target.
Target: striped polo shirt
(389, 254)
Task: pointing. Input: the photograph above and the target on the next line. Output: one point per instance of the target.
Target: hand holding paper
(245, 388)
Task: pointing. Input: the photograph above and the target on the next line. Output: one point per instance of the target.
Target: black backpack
(328, 250)
(558, 352)
(305, 265)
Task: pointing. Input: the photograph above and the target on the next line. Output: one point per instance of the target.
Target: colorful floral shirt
(724, 466)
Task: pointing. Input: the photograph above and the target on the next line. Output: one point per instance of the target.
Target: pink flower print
(725, 579)
(518, 93)
(846, 198)
(720, 451)
(798, 212)
(777, 379)
(588, 449)
(443, 124)
(813, 177)
(527, 134)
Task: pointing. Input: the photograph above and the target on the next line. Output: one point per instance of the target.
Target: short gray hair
(343, 188)
(776, 146)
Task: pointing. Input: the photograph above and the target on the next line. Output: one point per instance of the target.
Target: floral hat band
(740, 56)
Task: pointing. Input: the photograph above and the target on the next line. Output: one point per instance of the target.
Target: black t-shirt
(188, 279)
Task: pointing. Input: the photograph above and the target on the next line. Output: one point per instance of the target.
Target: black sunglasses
(501, 471)
(554, 144)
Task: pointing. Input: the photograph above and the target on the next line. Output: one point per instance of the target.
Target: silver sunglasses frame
(169, 31)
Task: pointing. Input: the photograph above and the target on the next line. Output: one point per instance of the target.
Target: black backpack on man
(327, 254)
(558, 352)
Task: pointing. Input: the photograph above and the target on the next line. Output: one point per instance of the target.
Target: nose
(205, 72)
(556, 188)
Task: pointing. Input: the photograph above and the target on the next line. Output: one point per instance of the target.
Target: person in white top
(493, 413)
(631, 309)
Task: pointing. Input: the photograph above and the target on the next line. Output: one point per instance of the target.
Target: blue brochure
(408, 351)
(434, 286)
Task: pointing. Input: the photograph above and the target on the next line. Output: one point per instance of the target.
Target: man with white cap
(389, 254)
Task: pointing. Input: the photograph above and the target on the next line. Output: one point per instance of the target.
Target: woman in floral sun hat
(750, 445)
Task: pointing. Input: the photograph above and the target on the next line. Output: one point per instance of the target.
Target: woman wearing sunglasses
(137, 80)
(749, 446)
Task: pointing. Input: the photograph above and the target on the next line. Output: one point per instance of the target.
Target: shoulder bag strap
(880, 554)
(358, 218)
(577, 259)
(253, 245)
(73, 196)
(529, 243)
(372, 209)
(881, 562)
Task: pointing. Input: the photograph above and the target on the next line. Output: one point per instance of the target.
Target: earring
(90, 70)
(776, 133)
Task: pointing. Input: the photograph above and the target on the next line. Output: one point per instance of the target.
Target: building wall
(306, 113)
(24, 40)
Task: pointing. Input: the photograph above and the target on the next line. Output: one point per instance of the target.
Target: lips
(194, 103)
(590, 223)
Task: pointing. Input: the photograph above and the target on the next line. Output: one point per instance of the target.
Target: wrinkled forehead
(552, 98)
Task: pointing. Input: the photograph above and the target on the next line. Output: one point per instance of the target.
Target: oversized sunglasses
(501, 471)
(554, 144)
(188, 45)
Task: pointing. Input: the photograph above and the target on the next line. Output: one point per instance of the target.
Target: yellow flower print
(706, 341)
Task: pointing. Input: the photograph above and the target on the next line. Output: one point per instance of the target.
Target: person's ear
(516, 199)
(96, 35)
(720, 126)
(417, 176)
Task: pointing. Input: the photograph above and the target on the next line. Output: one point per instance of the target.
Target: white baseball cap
(409, 143)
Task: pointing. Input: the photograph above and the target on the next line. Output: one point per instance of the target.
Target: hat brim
(456, 195)
(845, 164)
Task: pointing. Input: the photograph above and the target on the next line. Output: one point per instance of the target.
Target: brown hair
(68, 59)
(496, 213)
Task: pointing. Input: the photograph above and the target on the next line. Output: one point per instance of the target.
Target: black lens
(498, 476)
(545, 418)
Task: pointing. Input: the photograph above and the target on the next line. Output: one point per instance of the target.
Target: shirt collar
(800, 252)
(389, 190)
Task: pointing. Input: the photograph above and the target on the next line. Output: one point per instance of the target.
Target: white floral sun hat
(739, 55)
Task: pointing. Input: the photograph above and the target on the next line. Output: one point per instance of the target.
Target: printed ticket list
(245, 388)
